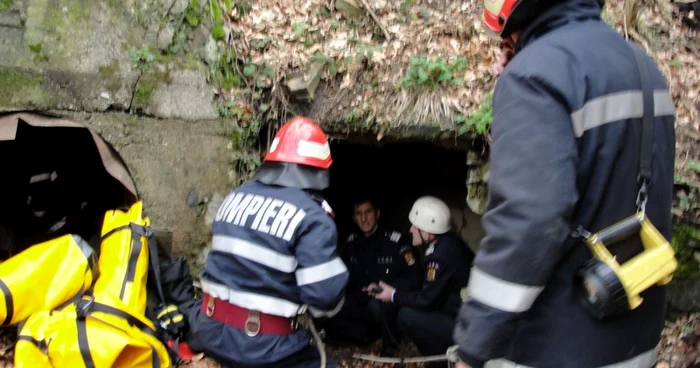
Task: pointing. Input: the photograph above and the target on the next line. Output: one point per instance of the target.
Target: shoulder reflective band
(618, 106)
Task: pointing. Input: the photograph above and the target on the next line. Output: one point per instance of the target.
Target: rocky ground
(679, 348)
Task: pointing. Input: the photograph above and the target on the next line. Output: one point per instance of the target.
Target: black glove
(171, 320)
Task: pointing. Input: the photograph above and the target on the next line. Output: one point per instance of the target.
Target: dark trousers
(307, 358)
(430, 331)
(361, 322)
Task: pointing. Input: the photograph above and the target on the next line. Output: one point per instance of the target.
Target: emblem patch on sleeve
(431, 270)
(407, 255)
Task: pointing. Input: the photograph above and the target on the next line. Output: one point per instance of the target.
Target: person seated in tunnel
(427, 316)
(373, 253)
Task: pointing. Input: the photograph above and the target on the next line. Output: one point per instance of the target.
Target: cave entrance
(395, 174)
(59, 177)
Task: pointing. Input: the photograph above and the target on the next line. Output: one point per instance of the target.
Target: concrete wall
(136, 71)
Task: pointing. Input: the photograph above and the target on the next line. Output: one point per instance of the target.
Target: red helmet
(502, 17)
(301, 141)
(496, 14)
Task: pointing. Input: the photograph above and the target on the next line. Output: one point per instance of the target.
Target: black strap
(138, 231)
(9, 305)
(647, 135)
(87, 306)
(155, 266)
(111, 232)
(83, 343)
(40, 344)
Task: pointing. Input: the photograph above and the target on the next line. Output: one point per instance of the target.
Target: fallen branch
(376, 19)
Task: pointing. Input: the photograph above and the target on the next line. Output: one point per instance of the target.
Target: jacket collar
(563, 12)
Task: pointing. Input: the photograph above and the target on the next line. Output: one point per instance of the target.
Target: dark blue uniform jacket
(446, 272)
(565, 151)
(274, 251)
(383, 256)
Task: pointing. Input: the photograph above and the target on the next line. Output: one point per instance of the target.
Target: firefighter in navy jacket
(373, 253)
(427, 315)
(565, 152)
(273, 256)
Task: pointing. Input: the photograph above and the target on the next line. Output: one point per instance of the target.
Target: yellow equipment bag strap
(86, 307)
(137, 232)
(40, 344)
(9, 305)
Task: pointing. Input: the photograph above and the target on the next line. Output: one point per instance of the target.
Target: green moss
(5, 5)
(218, 32)
(192, 16)
(226, 82)
(142, 94)
(76, 12)
(147, 84)
(38, 55)
(36, 48)
(683, 237)
(21, 88)
(110, 73)
(216, 15)
(109, 70)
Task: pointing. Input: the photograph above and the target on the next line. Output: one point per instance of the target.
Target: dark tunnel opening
(395, 174)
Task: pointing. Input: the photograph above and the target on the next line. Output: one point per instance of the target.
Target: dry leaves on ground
(289, 35)
(366, 68)
(680, 344)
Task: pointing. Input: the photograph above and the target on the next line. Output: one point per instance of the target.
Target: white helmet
(431, 215)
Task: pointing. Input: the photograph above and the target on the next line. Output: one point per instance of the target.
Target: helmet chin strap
(422, 239)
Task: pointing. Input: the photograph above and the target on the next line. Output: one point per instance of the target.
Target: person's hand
(385, 295)
(368, 289)
(507, 53)
(462, 364)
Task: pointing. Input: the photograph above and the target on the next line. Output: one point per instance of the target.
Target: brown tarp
(58, 177)
(112, 163)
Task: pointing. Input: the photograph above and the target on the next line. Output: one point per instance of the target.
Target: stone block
(303, 86)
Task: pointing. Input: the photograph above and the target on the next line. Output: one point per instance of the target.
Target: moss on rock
(23, 88)
(5, 5)
(686, 243)
(146, 85)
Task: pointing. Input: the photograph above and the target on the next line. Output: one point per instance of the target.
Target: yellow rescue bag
(107, 327)
(124, 257)
(94, 332)
(44, 276)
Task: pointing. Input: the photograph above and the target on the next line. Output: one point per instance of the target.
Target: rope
(306, 321)
(450, 356)
(372, 358)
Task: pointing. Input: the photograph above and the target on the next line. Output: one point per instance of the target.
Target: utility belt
(252, 322)
(605, 287)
